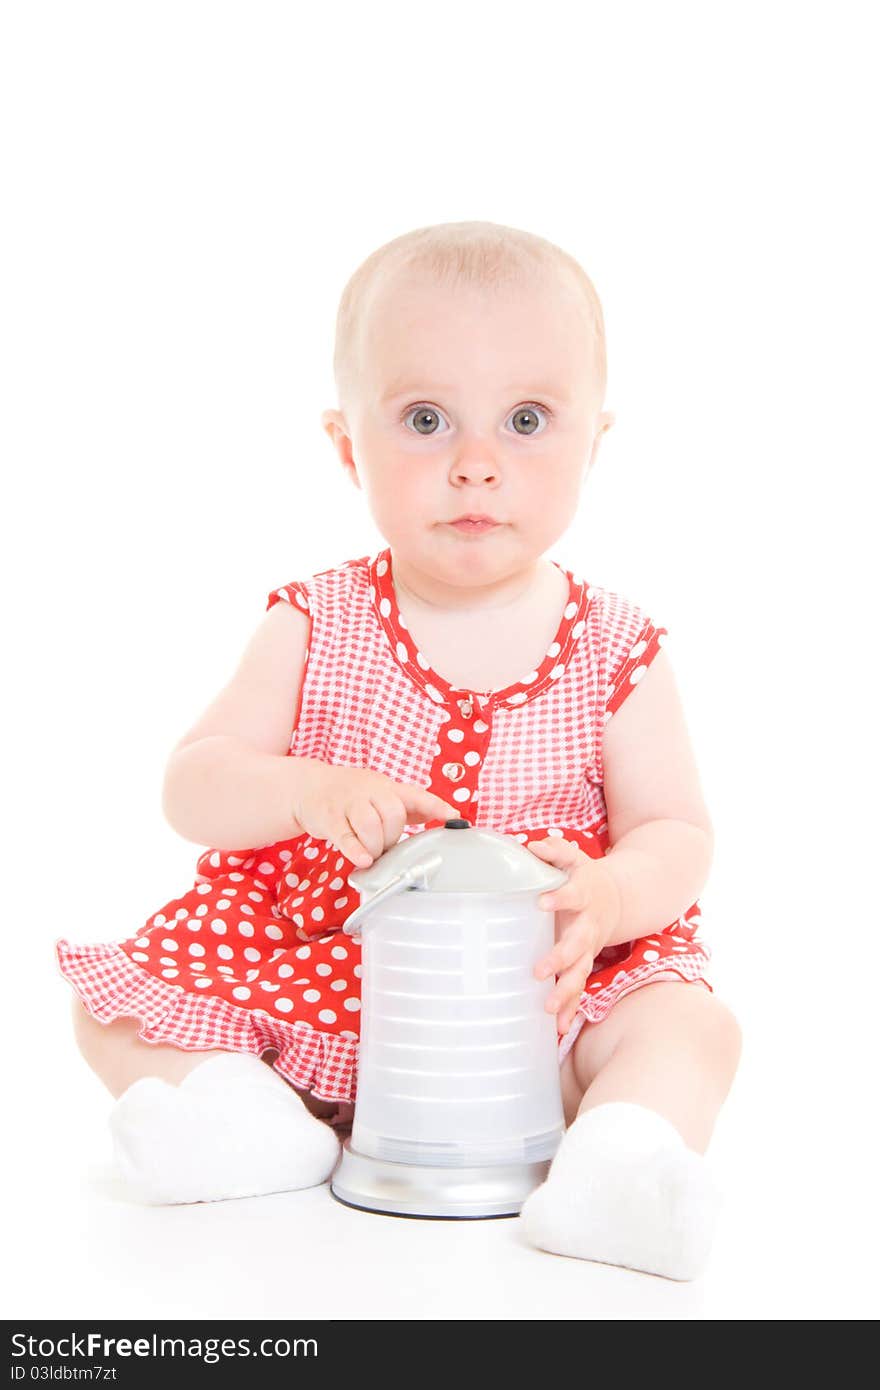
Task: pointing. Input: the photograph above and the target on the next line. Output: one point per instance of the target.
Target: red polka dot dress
(252, 956)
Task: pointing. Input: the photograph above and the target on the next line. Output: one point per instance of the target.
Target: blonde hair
(484, 254)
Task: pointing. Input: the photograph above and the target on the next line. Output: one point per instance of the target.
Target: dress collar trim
(384, 600)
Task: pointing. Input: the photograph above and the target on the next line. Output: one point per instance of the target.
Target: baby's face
(471, 402)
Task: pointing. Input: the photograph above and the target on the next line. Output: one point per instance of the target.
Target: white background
(187, 188)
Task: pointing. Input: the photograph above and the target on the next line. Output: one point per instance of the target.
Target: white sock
(625, 1189)
(232, 1128)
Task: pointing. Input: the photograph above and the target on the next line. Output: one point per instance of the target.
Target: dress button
(453, 771)
(466, 707)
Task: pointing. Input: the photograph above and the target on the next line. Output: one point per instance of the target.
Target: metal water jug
(458, 1109)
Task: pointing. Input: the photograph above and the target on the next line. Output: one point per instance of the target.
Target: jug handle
(414, 877)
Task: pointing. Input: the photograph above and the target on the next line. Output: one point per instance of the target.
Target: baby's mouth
(474, 525)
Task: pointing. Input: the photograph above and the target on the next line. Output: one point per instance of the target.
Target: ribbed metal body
(457, 1066)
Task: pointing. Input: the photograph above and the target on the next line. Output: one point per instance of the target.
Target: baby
(458, 672)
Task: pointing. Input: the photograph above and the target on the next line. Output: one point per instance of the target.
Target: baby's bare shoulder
(259, 702)
(650, 771)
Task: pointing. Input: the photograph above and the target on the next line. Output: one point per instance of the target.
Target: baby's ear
(604, 421)
(331, 421)
(334, 423)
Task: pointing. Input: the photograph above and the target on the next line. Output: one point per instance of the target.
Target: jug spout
(415, 876)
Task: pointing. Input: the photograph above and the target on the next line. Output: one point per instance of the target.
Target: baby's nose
(476, 463)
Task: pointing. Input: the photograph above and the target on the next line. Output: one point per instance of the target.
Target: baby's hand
(362, 813)
(587, 914)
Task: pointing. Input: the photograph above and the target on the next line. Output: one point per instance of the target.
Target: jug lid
(471, 860)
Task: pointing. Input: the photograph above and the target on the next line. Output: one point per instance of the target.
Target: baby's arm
(229, 782)
(658, 826)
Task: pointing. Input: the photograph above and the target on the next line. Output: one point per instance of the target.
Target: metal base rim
(419, 1215)
(404, 1189)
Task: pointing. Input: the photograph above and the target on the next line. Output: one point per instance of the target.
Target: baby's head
(470, 366)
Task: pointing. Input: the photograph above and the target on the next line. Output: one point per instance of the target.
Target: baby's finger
(565, 1018)
(569, 898)
(569, 948)
(392, 813)
(557, 851)
(568, 989)
(366, 823)
(345, 840)
(422, 805)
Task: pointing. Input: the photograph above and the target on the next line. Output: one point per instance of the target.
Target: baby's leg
(629, 1184)
(118, 1057)
(202, 1126)
(670, 1046)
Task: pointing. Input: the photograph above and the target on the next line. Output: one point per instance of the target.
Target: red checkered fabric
(252, 958)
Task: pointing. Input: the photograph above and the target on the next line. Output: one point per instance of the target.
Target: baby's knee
(726, 1033)
(118, 1055)
(102, 1045)
(719, 1040)
(93, 1037)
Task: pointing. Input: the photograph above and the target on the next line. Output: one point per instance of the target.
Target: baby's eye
(424, 418)
(526, 419)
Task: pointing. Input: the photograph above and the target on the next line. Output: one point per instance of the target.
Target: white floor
(795, 1238)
